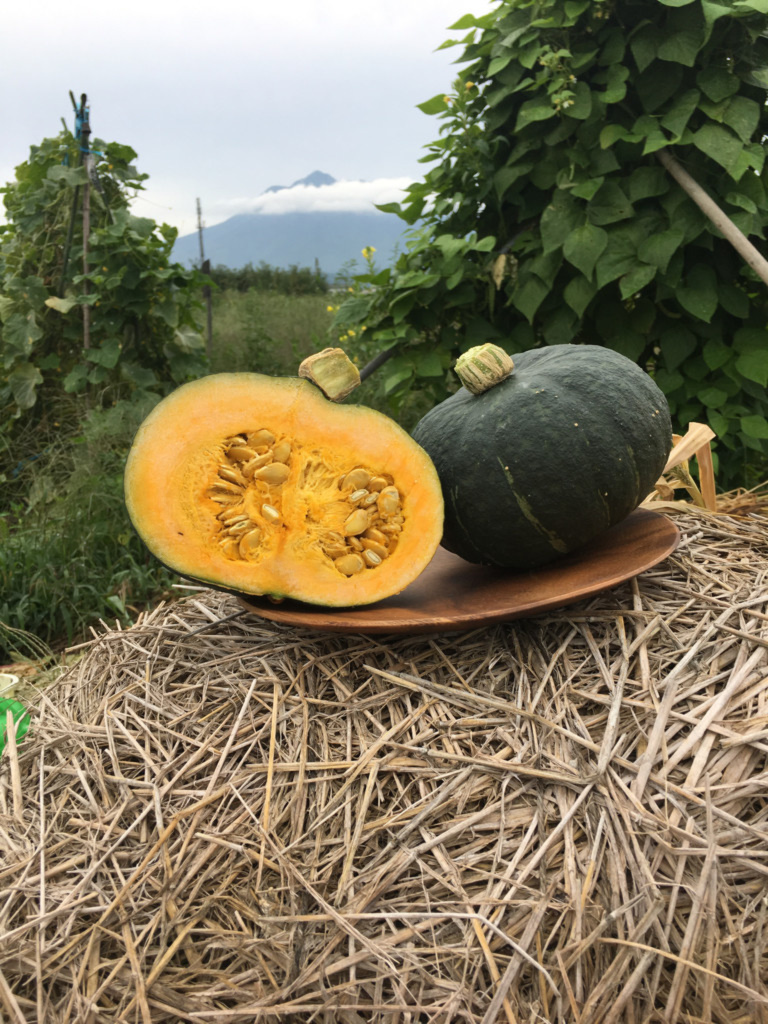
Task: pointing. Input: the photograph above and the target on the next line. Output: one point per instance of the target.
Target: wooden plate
(452, 594)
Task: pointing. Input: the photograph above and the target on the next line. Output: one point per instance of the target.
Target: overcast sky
(223, 99)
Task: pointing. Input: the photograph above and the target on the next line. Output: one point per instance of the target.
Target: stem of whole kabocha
(721, 220)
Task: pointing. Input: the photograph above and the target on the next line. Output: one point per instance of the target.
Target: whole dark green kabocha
(539, 456)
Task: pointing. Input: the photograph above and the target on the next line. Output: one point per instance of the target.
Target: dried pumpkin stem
(483, 367)
(332, 371)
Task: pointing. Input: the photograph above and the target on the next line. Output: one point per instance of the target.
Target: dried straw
(217, 819)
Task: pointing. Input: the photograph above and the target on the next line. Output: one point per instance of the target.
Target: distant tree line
(293, 280)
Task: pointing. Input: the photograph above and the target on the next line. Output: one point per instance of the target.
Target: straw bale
(217, 819)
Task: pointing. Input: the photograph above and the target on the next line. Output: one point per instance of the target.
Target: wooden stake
(205, 266)
(85, 133)
(721, 220)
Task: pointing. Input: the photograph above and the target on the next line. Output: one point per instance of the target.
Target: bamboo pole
(721, 220)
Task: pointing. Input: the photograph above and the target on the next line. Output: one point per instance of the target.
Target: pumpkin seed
(230, 518)
(349, 564)
(249, 543)
(373, 534)
(226, 487)
(358, 495)
(389, 501)
(370, 499)
(227, 473)
(261, 437)
(237, 529)
(356, 523)
(377, 483)
(356, 479)
(241, 453)
(224, 498)
(256, 463)
(371, 558)
(378, 549)
(230, 547)
(282, 452)
(355, 543)
(274, 474)
(271, 514)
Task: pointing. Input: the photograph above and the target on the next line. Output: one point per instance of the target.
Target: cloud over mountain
(301, 197)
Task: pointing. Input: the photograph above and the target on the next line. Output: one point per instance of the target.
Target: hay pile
(216, 819)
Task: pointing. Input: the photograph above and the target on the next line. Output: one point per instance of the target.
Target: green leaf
(760, 6)
(546, 265)
(21, 332)
(504, 179)
(681, 47)
(699, 294)
(677, 117)
(395, 373)
(676, 3)
(743, 115)
(610, 134)
(61, 305)
(69, 176)
(714, 397)
(717, 83)
(529, 295)
(582, 102)
(630, 345)
(644, 45)
(587, 189)
(658, 84)
(715, 353)
(583, 247)
(106, 355)
(76, 379)
(755, 426)
(436, 105)
(660, 248)
(713, 11)
(619, 257)
(24, 382)
(676, 345)
(645, 182)
(558, 220)
(719, 144)
(754, 366)
(578, 293)
(719, 423)
(6, 307)
(669, 381)
(609, 205)
(537, 109)
(188, 339)
(737, 199)
(429, 364)
(633, 282)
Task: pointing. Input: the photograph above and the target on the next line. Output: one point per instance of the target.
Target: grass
(267, 332)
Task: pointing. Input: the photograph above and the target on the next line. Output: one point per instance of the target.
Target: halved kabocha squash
(261, 485)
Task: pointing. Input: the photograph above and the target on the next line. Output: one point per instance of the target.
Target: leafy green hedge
(548, 217)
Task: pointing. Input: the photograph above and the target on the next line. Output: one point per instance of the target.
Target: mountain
(332, 237)
(316, 179)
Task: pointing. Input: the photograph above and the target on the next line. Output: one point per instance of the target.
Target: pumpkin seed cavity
(356, 516)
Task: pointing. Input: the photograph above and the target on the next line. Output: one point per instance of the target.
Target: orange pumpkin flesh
(243, 481)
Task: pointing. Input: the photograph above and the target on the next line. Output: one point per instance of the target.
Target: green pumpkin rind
(549, 458)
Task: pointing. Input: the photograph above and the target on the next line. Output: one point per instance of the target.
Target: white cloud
(342, 196)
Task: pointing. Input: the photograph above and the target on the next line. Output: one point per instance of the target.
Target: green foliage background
(144, 332)
(547, 217)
